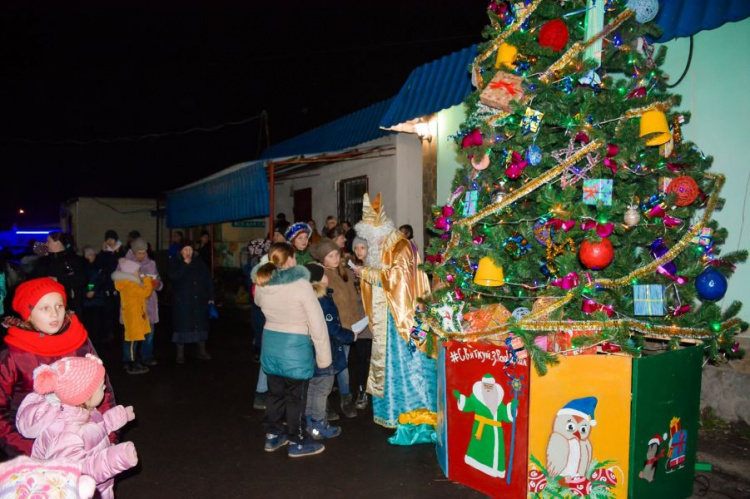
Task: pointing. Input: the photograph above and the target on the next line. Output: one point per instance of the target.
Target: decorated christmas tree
(581, 219)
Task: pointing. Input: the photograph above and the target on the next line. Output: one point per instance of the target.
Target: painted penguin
(652, 458)
(569, 449)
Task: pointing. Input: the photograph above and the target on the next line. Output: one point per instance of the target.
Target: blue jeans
(343, 377)
(147, 348)
(262, 386)
(317, 396)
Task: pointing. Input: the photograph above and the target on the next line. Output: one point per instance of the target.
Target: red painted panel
(487, 443)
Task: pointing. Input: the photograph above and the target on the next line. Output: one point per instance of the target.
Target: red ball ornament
(554, 34)
(447, 211)
(685, 190)
(596, 255)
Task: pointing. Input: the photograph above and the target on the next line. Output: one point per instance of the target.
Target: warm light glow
(21, 211)
(426, 128)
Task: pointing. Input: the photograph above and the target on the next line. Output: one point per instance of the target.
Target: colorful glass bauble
(645, 10)
(520, 313)
(711, 284)
(534, 155)
(632, 217)
(481, 164)
(685, 189)
(554, 34)
(596, 255)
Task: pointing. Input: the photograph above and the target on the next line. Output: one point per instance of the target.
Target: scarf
(70, 338)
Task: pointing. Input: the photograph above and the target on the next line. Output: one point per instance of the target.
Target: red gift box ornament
(503, 88)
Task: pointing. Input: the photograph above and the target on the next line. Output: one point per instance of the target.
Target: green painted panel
(664, 427)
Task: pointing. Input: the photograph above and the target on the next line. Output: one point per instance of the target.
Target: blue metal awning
(237, 193)
(682, 18)
(432, 87)
(348, 131)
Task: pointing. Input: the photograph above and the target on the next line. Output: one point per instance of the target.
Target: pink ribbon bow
(590, 306)
(679, 279)
(681, 310)
(602, 230)
(558, 224)
(658, 211)
(473, 138)
(517, 166)
(610, 163)
(570, 281)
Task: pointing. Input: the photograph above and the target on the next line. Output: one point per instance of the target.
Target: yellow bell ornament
(654, 124)
(489, 274)
(506, 56)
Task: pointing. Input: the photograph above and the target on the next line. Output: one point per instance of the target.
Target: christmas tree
(580, 207)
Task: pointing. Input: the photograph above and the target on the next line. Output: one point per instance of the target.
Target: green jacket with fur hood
(293, 317)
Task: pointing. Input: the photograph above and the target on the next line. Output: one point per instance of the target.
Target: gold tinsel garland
(652, 330)
(578, 47)
(525, 13)
(522, 191)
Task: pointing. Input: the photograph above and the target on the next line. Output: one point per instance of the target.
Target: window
(351, 192)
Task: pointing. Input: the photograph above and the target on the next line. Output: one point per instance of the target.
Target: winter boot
(347, 406)
(331, 414)
(303, 447)
(136, 368)
(322, 429)
(274, 442)
(180, 353)
(260, 401)
(361, 402)
(202, 353)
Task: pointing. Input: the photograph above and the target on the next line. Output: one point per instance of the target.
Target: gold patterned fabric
(395, 287)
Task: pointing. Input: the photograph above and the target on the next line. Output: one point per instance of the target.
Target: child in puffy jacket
(322, 382)
(61, 415)
(134, 289)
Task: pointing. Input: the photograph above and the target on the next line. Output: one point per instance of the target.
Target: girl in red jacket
(46, 333)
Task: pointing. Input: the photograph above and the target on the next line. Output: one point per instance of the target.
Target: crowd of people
(315, 303)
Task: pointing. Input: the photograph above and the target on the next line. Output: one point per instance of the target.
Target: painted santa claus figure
(486, 451)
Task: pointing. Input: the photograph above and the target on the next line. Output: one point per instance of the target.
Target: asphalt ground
(198, 436)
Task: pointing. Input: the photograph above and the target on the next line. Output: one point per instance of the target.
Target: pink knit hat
(128, 266)
(72, 379)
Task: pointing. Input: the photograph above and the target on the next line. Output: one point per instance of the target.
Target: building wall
(92, 217)
(448, 121)
(715, 93)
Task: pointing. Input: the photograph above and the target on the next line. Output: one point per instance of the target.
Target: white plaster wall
(448, 121)
(398, 177)
(407, 206)
(715, 92)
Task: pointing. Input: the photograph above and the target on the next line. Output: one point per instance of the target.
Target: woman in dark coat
(63, 265)
(193, 294)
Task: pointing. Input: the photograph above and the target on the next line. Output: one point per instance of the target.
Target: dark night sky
(88, 70)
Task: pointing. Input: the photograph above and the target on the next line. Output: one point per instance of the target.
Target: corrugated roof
(432, 87)
(681, 18)
(237, 193)
(351, 130)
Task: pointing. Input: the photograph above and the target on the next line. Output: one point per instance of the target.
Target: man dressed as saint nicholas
(403, 371)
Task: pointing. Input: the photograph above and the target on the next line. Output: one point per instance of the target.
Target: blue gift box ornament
(648, 299)
(597, 190)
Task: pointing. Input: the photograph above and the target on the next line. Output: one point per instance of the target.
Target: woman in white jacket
(293, 317)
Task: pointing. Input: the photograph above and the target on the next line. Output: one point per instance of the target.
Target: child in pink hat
(61, 416)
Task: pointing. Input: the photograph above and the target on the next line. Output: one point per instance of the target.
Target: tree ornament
(517, 166)
(596, 255)
(482, 164)
(472, 139)
(654, 125)
(520, 313)
(645, 10)
(488, 273)
(554, 34)
(477, 240)
(542, 231)
(685, 189)
(534, 155)
(516, 245)
(449, 315)
(632, 216)
(506, 56)
(531, 121)
(471, 198)
(711, 284)
(447, 211)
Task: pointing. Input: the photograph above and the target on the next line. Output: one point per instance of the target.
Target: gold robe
(395, 288)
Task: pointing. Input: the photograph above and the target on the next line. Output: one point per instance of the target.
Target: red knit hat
(72, 379)
(30, 292)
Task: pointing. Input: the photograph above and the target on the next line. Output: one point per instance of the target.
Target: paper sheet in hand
(360, 325)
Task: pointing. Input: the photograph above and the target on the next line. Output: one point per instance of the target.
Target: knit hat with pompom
(72, 379)
(128, 266)
(30, 292)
